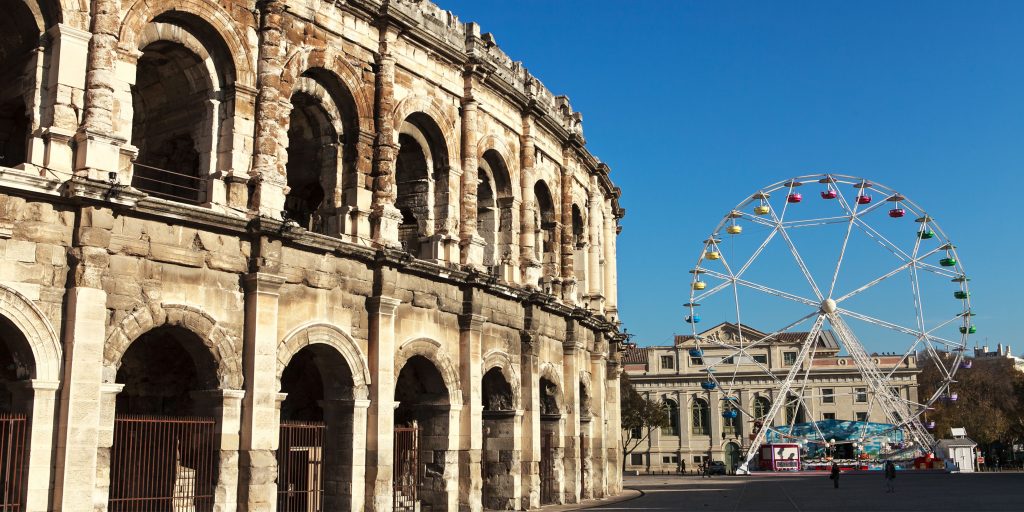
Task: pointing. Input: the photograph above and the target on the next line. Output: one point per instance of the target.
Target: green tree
(640, 416)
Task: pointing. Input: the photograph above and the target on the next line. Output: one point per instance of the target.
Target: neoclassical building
(835, 390)
(296, 255)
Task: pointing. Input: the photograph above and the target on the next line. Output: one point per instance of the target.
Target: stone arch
(509, 157)
(224, 347)
(42, 338)
(437, 112)
(586, 386)
(435, 353)
(331, 67)
(551, 373)
(209, 15)
(327, 334)
(502, 361)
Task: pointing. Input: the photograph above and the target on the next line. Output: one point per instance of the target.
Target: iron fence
(548, 484)
(300, 475)
(13, 438)
(162, 463)
(405, 476)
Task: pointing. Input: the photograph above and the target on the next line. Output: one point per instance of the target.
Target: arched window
(731, 425)
(672, 410)
(421, 180)
(795, 412)
(761, 407)
(700, 417)
(579, 251)
(494, 209)
(546, 245)
(17, 85)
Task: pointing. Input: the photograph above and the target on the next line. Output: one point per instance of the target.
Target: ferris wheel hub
(828, 306)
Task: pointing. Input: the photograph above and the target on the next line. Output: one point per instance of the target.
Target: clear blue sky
(697, 104)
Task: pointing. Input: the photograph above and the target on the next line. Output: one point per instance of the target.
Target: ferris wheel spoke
(756, 220)
(714, 290)
(895, 327)
(823, 221)
(757, 252)
(842, 253)
(884, 242)
(801, 264)
(942, 271)
(765, 289)
(897, 270)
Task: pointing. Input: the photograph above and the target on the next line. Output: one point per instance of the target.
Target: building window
(696, 361)
(761, 406)
(700, 416)
(730, 426)
(672, 410)
(828, 416)
(667, 363)
(670, 459)
(828, 396)
(729, 360)
(636, 433)
(760, 358)
(861, 395)
(698, 459)
(636, 459)
(789, 358)
(862, 416)
(795, 412)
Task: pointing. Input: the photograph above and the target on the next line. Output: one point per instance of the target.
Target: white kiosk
(957, 452)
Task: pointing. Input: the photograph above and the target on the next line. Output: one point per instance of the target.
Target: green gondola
(960, 294)
(926, 234)
(947, 262)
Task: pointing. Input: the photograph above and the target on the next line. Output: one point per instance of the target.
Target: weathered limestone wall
(157, 198)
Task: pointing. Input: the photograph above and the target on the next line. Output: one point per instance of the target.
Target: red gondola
(829, 194)
(864, 199)
(795, 197)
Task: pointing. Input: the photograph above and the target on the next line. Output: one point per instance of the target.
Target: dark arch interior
(423, 401)
(418, 387)
(578, 228)
(312, 161)
(161, 370)
(416, 167)
(15, 362)
(19, 38)
(584, 401)
(497, 393)
(494, 208)
(549, 397)
(546, 243)
(315, 373)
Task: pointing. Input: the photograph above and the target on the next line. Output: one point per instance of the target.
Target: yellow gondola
(762, 209)
(699, 285)
(712, 255)
(734, 229)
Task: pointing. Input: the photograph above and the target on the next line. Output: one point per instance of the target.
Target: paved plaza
(813, 491)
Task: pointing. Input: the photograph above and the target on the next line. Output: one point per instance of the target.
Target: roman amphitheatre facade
(296, 255)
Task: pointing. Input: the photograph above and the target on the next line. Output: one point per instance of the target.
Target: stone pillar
(345, 454)
(571, 414)
(85, 324)
(260, 418)
(272, 110)
(471, 442)
(357, 198)
(65, 85)
(105, 439)
(530, 395)
(471, 243)
(614, 425)
(595, 218)
(384, 217)
(530, 267)
(225, 406)
(381, 415)
(566, 248)
(97, 148)
(684, 430)
(38, 398)
(599, 419)
(611, 231)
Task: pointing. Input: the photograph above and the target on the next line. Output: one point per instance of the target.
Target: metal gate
(13, 438)
(300, 476)
(548, 485)
(162, 463)
(405, 477)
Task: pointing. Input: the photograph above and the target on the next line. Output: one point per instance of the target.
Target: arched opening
(165, 446)
(16, 368)
(422, 427)
(795, 411)
(546, 244)
(179, 109)
(494, 211)
(421, 171)
(314, 454)
(551, 449)
(700, 417)
(19, 39)
(579, 251)
(761, 407)
(501, 457)
(731, 420)
(672, 410)
(732, 457)
(312, 160)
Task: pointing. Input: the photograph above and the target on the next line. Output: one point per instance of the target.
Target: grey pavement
(860, 491)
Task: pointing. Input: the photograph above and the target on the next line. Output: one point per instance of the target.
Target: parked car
(716, 467)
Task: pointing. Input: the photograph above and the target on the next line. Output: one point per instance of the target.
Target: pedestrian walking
(834, 475)
(890, 475)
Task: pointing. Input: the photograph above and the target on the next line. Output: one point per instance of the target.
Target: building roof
(825, 339)
(957, 443)
(635, 355)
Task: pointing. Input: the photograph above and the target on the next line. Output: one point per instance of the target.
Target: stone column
(530, 395)
(105, 439)
(530, 267)
(471, 243)
(567, 250)
(85, 324)
(610, 273)
(595, 218)
(38, 398)
(471, 442)
(345, 454)
(65, 85)
(614, 428)
(684, 430)
(381, 415)
(599, 419)
(98, 149)
(357, 198)
(260, 419)
(272, 110)
(571, 415)
(384, 217)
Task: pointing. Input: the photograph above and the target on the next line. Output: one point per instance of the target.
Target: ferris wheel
(854, 262)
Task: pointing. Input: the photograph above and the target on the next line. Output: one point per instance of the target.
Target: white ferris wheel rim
(829, 307)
